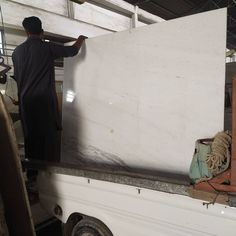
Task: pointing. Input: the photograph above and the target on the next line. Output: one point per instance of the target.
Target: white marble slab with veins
(145, 95)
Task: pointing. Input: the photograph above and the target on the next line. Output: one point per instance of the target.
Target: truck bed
(159, 181)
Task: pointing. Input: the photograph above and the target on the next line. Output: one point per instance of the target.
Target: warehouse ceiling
(170, 9)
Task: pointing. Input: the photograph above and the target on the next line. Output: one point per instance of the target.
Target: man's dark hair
(32, 24)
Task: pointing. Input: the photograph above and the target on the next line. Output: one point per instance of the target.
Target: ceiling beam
(127, 9)
(53, 23)
(158, 6)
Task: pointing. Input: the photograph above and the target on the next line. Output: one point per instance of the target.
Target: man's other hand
(80, 41)
(82, 37)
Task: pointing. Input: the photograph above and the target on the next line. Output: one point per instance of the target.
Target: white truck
(105, 203)
(134, 104)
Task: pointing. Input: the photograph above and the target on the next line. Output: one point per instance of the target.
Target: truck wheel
(90, 227)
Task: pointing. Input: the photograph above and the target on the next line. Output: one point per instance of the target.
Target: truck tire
(90, 227)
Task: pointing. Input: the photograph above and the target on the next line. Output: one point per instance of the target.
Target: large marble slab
(140, 98)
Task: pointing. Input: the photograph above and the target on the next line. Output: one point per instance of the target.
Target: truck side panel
(128, 210)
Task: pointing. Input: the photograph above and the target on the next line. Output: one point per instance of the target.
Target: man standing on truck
(34, 73)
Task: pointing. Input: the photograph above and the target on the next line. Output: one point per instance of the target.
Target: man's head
(32, 25)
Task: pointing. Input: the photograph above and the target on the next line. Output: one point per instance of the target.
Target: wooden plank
(209, 197)
(233, 157)
(12, 185)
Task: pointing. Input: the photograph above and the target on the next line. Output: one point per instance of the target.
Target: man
(34, 73)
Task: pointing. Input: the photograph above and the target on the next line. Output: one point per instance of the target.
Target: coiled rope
(219, 158)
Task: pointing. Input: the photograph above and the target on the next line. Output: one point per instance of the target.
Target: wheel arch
(76, 217)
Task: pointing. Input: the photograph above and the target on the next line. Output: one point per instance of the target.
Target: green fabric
(199, 169)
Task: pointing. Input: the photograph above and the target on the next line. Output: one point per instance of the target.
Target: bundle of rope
(219, 158)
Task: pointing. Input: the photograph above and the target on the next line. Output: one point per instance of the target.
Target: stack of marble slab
(140, 98)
